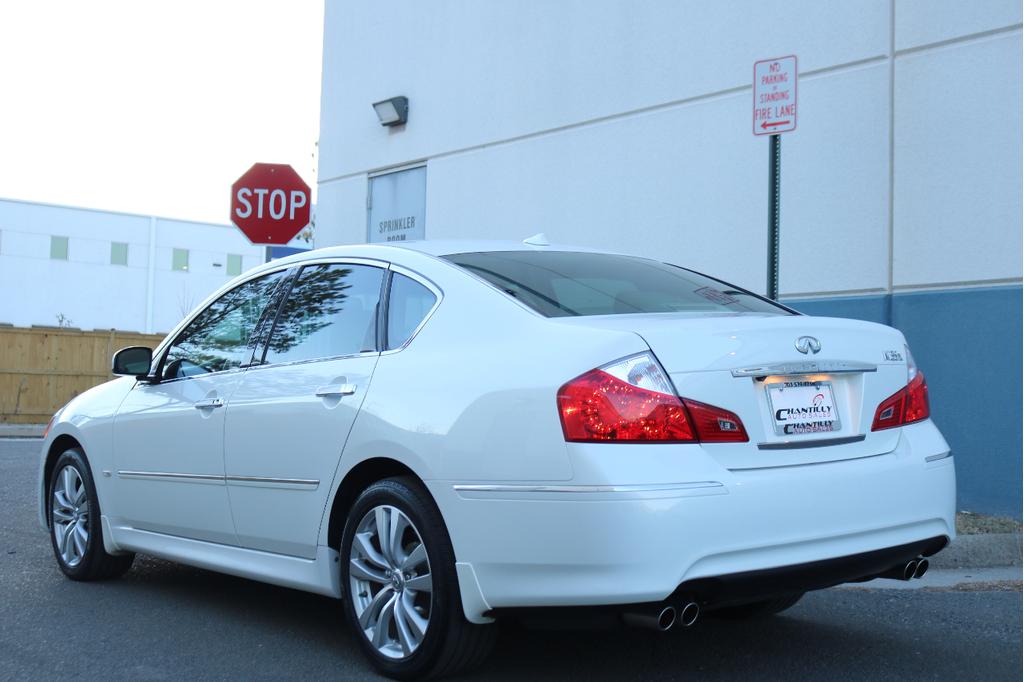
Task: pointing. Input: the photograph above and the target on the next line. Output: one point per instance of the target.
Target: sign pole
(774, 181)
(774, 113)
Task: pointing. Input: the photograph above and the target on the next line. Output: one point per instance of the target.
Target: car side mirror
(133, 361)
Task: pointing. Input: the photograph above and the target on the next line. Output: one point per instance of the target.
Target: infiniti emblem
(808, 344)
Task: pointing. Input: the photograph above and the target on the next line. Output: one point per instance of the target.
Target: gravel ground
(969, 523)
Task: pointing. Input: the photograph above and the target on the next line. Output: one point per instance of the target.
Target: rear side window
(330, 311)
(408, 303)
(570, 284)
(220, 337)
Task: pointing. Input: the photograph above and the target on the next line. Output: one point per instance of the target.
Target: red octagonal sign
(270, 203)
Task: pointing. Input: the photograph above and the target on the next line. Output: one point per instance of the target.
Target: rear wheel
(401, 593)
(758, 609)
(76, 533)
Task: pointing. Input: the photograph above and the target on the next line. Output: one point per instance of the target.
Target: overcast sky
(155, 107)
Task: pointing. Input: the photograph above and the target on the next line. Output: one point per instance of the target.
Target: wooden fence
(42, 368)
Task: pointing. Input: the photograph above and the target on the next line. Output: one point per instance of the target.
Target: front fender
(87, 420)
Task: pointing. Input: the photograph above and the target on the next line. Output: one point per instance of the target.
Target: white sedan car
(443, 434)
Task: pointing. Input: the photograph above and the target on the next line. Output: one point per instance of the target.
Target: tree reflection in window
(219, 338)
(331, 311)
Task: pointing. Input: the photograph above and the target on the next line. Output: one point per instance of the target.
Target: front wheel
(75, 529)
(401, 591)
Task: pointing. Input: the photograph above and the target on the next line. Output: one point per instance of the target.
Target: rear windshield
(570, 284)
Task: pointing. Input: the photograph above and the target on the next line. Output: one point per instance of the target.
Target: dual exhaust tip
(915, 568)
(664, 617)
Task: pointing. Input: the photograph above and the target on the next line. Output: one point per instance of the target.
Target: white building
(104, 270)
(627, 125)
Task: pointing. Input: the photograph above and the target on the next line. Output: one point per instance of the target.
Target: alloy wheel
(390, 582)
(70, 516)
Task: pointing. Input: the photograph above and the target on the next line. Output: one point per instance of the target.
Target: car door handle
(208, 404)
(335, 391)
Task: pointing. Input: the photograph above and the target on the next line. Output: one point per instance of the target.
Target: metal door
(396, 206)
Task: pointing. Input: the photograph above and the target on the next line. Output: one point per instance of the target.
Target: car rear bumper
(607, 543)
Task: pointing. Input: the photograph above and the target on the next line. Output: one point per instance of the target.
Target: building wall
(626, 126)
(87, 289)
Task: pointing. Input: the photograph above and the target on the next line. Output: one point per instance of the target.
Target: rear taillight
(632, 401)
(906, 406)
(715, 425)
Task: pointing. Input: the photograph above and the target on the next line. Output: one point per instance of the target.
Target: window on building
(234, 265)
(59, 248)
(118, 253)
(179, 260)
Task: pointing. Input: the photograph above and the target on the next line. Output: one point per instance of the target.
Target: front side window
(330, 311)
(223, 336)
(571, 284)
(408, 303)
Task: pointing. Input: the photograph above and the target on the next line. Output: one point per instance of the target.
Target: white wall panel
(659, 184)
(626, 126)
(835, 208)
(958, 163)
(341, 212)
(920, 22)
(476, 72)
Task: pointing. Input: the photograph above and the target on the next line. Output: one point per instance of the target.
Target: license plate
(802, 407)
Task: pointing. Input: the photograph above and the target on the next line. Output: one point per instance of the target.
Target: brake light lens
(632, 401)
(905, 406)
(715, 425)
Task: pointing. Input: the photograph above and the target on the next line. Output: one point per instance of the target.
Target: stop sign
(270, 203)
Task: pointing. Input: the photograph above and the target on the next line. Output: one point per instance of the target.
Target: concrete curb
(22, 430)
(980, 551)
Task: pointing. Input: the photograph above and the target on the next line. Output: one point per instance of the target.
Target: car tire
(73, 513)
(401, 594)
(758, 609)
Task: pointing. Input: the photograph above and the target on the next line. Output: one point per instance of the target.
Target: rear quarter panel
(472, 398)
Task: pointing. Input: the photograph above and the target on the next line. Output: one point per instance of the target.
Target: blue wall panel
(968, 343)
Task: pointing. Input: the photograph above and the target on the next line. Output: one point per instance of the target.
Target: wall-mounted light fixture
(393, 111)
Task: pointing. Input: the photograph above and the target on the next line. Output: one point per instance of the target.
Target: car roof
(435, 247)
(447, 247)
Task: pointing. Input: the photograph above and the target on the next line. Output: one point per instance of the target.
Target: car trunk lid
(797, 407)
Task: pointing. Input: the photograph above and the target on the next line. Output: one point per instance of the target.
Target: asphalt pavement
(165, 621)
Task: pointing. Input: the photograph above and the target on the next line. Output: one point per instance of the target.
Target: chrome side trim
(311, 483)
(170, 476)
(941, 455)
(642, 488)
(796, 368)
(810, 464)
(304, 483)
(816, 443)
